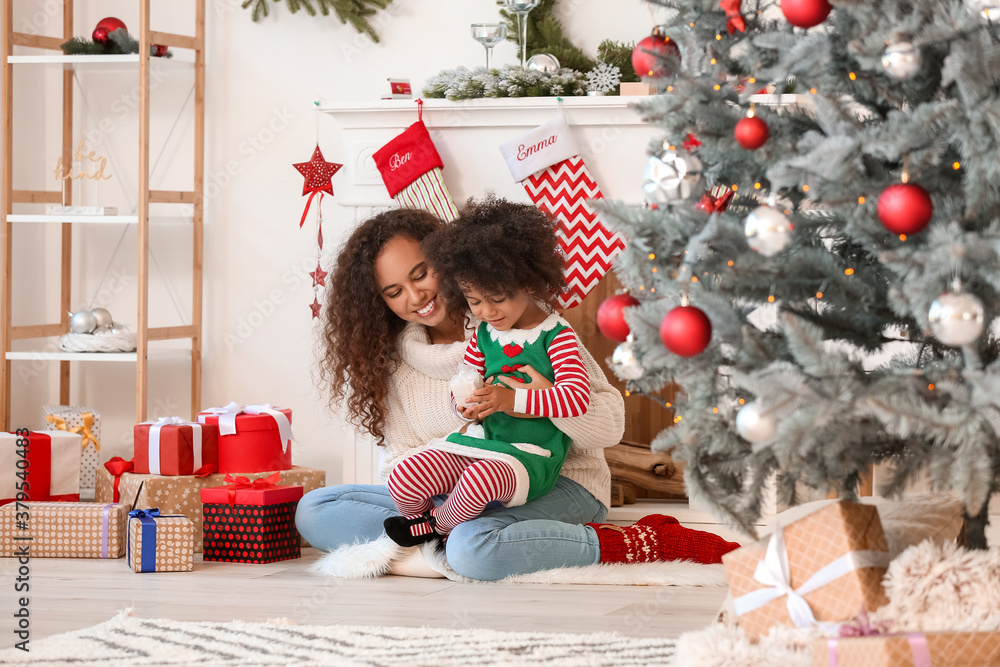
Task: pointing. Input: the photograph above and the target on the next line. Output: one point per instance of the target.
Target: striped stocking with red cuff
(659, 538)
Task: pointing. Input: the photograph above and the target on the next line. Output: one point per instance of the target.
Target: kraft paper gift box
(63, 530)
(175, 446)
(47, 469)
(251, 522)
(181, 495)
(85, 421)
(160, 543)
(834, 560)
(948, 649)
(252, 438)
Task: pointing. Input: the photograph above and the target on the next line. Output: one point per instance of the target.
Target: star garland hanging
(318, 174)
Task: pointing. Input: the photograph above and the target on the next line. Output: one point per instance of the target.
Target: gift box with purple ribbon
(63, 530)
(159, 543)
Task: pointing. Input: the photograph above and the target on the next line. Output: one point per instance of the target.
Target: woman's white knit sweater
(418, 410)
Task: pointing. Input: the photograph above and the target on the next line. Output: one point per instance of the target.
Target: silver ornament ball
(625, 364)
(768, 231)
(670, 178)
(901, 60)
(987, 9)
(753, 425)
(103, 317)
(543, 62)
(82, 322)
(957, 318)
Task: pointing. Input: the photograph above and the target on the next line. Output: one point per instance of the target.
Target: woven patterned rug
(127, 641)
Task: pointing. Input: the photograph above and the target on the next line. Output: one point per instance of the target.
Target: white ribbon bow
(284, 426)
(773, 573)
(154, 441)
(227, 418)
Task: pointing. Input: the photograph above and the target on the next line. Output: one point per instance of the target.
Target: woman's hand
(495, 398)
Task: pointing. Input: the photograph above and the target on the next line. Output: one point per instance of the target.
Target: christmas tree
(819, 273)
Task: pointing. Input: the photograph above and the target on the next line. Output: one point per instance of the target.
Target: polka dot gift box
(159, 543)
(86, 422)
(251, 522)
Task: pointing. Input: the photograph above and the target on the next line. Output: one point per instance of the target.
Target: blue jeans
(541, 535)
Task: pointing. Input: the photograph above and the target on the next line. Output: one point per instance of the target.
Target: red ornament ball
(611, 319)
(100, 35)
(158, 50)
(686, 331)
(805, 13)
(111, 24)
(905, 208)
(649, 65)
(751, 133)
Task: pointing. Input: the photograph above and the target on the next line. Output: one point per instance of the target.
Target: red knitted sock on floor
(659, 538)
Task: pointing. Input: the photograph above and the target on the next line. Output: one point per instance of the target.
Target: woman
(392, 342)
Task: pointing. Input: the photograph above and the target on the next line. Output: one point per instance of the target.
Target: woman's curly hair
(497, 247)
(360, 333)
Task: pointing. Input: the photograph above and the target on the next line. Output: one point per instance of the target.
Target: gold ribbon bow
(88, 422)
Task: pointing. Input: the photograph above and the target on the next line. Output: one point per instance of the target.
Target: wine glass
(489, 35)
(521, 9)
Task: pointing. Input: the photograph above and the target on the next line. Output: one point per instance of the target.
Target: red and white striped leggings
(470, 483)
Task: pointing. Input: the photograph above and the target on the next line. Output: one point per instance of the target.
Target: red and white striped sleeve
(570, 395)
(474, 358)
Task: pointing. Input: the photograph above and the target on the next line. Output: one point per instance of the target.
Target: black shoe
(398, 529)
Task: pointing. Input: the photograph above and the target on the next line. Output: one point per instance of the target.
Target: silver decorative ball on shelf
(987, 9)
(901, 59)
(82, 322)
(103, 318)
(543, 62)
(768, 231)
(669, 178)
(957, 318)
(754, 426)
(625, 364)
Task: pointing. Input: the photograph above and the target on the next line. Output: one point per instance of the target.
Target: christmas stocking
(546, 161)
(411, 169)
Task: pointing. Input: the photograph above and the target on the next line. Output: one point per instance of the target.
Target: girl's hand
(535, 381)
(495, 398)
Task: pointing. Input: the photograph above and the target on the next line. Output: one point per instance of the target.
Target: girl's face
(505, 312)
(407, 284)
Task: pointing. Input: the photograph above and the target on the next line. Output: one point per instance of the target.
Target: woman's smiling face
(407, 283)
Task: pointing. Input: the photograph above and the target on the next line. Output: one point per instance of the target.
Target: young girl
(502, 258)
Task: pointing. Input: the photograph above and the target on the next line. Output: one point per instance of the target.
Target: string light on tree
(686, 330)
(754, 425)
(805, 13)
(768, 231)
(987, 9)
(611, 318)
(957, 318)
(905, 208)
(901, 60)
(751, 132)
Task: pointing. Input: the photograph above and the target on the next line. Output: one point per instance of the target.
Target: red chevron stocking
(546, 161)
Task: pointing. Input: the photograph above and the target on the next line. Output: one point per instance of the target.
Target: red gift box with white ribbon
(252, 438)
(40, 466)
(175, 446)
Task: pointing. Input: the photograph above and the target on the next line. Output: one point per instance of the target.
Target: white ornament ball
(768, 230)
(625, 364)
(82, 322)
(957, 318)
(103, 317)
(988, 9)
(670, 177)
(543, 62)
(901, 60)
(753, 425)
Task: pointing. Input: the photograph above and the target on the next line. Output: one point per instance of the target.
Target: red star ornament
(315, 306)
(317, 172)
(319, 276)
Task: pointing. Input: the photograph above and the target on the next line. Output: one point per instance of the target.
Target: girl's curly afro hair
(497, 247)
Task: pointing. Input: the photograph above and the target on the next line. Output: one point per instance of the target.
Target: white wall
(262, 80)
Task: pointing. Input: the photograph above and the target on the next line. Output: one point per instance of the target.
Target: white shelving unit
(133, 69)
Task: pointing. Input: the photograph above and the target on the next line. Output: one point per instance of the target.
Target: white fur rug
(127, 641)
(377, 558)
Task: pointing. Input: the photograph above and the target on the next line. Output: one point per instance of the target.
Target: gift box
(39, 466)
(63, 530)
(181, 495)
(832, 560)
(954, 649)
(252, 438)
(84, 421)
(251, 522)
(160, 543)
(174, 446)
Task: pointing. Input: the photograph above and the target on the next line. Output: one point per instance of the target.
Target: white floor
(70, 594)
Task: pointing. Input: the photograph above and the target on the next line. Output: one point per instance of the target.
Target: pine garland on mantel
(355, 12)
